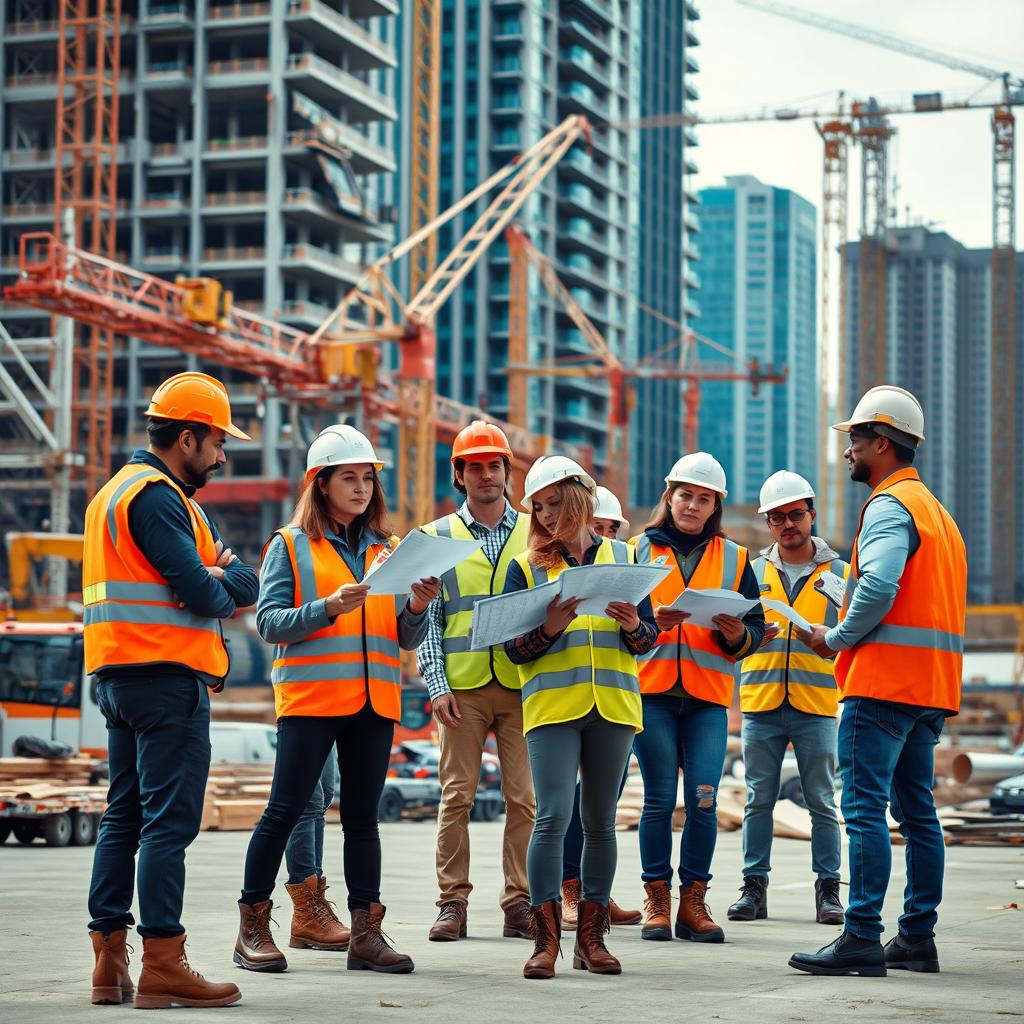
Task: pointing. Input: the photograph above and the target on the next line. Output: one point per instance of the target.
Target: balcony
(236, 146)
(171, 153)
(169, 74)
(167, 15)
(579, 98)
(360, 222)
(237, 203)
(25, 30)
(579, 233)
(507, 27)
(235, 14)
(691, 278)
(581, 199)
(691, 64)
(302, 311)
(692, 14)
(164, 204)
(366, 156)
(574, 31)
(600, 10)
(372, 8)
(691, 90)
(319, 22)
(240, 73)
(578, 165)
(43, 84)
(166, 258)
(325, 82)
(44, 159)
(578, 62)
(507, 138)
(26, 213)
(322, 262)
(246, 256)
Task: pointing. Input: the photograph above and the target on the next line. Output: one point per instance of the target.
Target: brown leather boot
(450, 925)
(590, 953)
(111, 982)
(570, 903)
(547, 931)
(618, 916)
(255, 949)
(328, 906)
(693, 919)
(313, 924)
(167, 979)
(518, 923)
(368, 949)
(657, 912)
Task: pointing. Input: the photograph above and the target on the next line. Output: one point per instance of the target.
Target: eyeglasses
(778, 518)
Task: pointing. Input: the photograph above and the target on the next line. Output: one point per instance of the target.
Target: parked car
(420, 759)
(1007, 797)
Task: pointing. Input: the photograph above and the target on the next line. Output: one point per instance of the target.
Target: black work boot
(912, 953)
(753, 902)
(849, 954)
(827, 905)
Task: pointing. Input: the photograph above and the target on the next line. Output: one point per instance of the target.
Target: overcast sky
(942, 162)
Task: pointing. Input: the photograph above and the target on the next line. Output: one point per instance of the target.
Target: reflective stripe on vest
(690, 654)
(331, 672)
(915, 655)
(785, 668)
(461, 587)
(587, 666)
(130, 616)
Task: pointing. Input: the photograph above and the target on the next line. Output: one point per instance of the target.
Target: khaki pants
(491, 707)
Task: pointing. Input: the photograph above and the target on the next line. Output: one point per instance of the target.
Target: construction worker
(788, 695)
(608, 517)
(476, 692)
(687, 687)
(608, 520)
(581, 709)
(899, 668)
(156, 581)
(337, 687)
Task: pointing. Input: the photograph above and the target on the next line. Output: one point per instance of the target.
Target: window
(41, 669)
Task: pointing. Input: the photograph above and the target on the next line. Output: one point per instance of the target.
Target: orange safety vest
(131, 616)
(691, 654)
(915, 654)
(331, 672)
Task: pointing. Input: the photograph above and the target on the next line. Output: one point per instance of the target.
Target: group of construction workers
(568, 702)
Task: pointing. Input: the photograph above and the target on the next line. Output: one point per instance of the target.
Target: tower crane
(1003, 312)
(605, 363)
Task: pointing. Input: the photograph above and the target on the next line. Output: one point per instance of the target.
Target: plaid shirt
(429, 656)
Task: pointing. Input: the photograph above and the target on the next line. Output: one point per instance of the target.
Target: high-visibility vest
(333, 670)
(587, 665)
(915, 654)
(784, 667)
(462, 587)
(690, 654)
(131, 616)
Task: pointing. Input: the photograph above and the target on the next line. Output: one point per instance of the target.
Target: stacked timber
(236, 795)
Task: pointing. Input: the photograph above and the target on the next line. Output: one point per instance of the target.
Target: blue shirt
(278, 621)
(887, 538)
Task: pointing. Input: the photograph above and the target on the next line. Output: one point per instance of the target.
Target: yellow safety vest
(471, 580)
(587, 665)
(785, 667)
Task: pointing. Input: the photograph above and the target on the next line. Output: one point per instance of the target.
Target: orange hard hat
(196, 397)
(480, 438)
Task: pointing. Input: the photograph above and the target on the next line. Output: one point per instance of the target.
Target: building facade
(759, 298)
(939, 346)
(254, 139)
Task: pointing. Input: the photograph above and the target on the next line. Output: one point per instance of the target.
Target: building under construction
(221, 173)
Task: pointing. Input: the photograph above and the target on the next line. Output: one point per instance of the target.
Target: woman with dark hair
(687, 687)
(337, 684)
(581, 709)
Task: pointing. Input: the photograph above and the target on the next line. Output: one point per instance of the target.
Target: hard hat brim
(313, 470)
(670, 480)
(586, 481)
(474, 453)
(234, 431)
(784, 501)
(846, 427)
(230, 429)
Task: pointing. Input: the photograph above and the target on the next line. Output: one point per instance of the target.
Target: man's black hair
(163, 434)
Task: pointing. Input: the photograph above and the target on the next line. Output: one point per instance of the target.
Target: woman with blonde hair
(337, 686)
(581, 709)
(687, 687)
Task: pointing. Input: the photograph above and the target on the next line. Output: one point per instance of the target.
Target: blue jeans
(304, 853)
(887, 755)
(158, 738)
(679, 734)
(814, 737)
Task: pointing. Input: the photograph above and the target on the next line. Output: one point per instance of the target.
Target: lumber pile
(18, 772)
(236, 795)
(973, 824)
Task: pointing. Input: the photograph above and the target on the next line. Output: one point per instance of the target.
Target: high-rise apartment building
(254, 138)
(667, 248)
(758, 298)
(511, 71)
(939, 346)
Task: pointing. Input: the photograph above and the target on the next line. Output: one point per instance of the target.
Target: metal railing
(238, 66)
(234, 254)
(235, 198)
(238, 142)
(224, 12)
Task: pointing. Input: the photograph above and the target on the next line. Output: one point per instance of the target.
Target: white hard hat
(701, 469)
(550, 469)
(783, 487)
(340, 445)
(608, 507)
(888, 406)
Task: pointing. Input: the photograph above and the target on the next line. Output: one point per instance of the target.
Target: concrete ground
(45, 958)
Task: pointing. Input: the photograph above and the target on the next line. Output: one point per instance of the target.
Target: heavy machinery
(29, 599)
